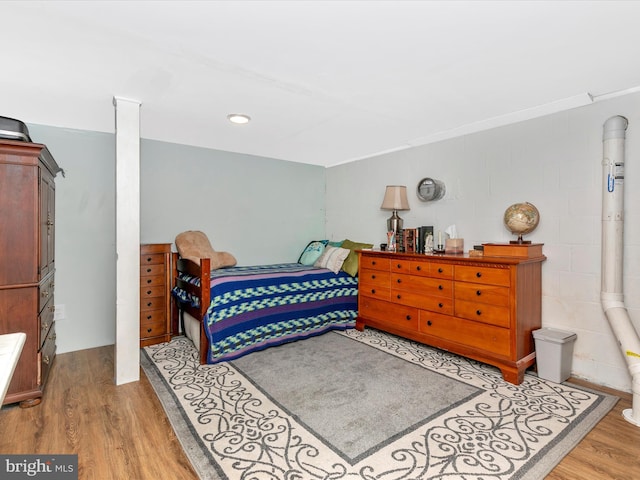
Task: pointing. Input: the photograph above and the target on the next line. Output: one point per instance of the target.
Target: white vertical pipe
(127, 352)
(612, 295)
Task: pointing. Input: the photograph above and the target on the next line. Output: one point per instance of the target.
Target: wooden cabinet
(27, 263)
(483, 308)
(155, 294)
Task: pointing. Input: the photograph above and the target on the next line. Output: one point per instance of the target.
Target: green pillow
(350, 265)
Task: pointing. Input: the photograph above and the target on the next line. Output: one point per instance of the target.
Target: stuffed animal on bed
(194, 245)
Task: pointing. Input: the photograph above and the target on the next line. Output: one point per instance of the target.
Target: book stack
(412, 240)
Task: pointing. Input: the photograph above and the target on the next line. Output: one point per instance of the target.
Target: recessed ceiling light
(239, 118)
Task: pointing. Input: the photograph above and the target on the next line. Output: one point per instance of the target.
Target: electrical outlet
(58, 312)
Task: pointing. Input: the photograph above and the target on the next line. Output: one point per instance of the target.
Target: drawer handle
(440, 305)
(408, 317)
(429, 322)
(149, 259)
(148, 317)
(373, 263)
(373, 277)
(148, 330)
(46, 360)
(399, 280)
(478, 292)
(478, 274)
(148, 270)
(149, 280)
(439, 270)
(148, 292)
(398, 296)
(418, 268)
(478, 312)
(440, 287)
(149, 304)
(373, 290)
(399, 266)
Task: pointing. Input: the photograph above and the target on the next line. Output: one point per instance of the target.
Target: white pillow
(332, 258)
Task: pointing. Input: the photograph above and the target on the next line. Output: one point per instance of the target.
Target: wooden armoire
(27, 265)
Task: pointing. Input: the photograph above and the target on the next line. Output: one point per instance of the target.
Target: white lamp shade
(395, 198)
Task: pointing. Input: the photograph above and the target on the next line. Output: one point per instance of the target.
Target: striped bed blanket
(256, 307)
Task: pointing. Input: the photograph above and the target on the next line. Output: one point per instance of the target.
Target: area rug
(365, 405)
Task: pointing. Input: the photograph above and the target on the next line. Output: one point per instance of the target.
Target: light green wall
(85, 235)
(262, 210)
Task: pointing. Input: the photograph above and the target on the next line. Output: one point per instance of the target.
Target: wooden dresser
(155, 293)
(483, 308)
(27, 264)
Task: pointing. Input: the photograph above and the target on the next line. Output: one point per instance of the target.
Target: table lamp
(395, 198)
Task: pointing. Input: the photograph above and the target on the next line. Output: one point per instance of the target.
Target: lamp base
(394, 223)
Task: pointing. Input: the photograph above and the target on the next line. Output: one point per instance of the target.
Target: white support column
(127, 351)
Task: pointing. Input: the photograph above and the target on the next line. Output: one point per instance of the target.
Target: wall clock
(429, 189)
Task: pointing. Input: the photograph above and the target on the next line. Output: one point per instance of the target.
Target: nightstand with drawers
(155, 293)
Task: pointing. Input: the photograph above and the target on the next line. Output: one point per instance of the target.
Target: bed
(232, 311)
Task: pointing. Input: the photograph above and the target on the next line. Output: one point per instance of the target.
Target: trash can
(554, 352)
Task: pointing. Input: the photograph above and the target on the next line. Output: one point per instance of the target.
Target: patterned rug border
(435, 360)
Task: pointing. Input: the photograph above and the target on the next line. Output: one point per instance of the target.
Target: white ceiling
(326, 82)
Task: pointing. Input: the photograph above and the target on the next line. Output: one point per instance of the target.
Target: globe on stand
(520, 219)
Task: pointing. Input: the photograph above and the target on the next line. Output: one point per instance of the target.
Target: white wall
(553, 162)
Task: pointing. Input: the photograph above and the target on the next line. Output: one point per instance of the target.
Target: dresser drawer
(46, 356)
(422, 285)
(441, 270)
(474, 292)
(152, 280)
(373, 262)
(486, 275)
(45, 320)
(427, 302)
(146, 292)
(152, 269)
(152, 303)
(45, 292)
(151, 259)
(371, 277)
(383, 293)
(153, 328)
(393, 314)
(466, 332)
(400, 266)
(152, 316)
(482, 312)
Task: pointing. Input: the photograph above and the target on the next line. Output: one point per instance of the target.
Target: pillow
(312, 252)
(350, 265)
(336, 244)
(332, 258)
(193, 245)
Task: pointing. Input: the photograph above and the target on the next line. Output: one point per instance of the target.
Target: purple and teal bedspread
(256, 307)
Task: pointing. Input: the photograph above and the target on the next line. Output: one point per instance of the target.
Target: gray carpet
(356, 403)
(364, 405)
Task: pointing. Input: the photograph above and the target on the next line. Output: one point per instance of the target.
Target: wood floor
(122, 432)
